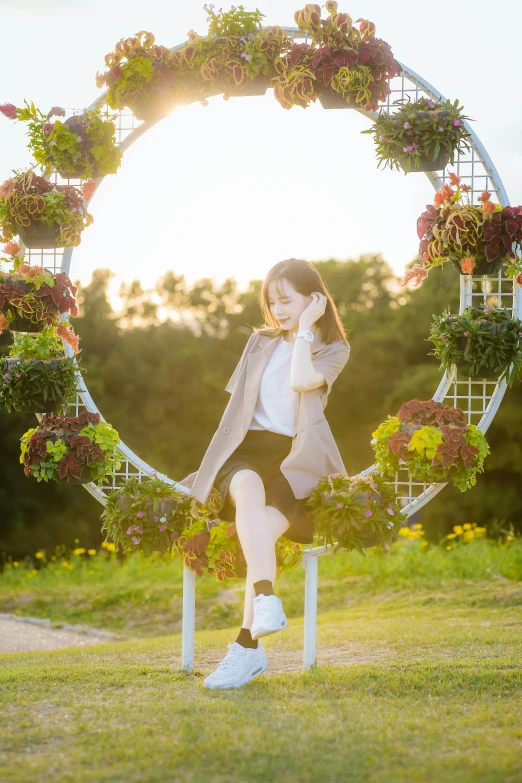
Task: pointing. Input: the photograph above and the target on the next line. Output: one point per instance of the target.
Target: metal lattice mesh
(479, 399)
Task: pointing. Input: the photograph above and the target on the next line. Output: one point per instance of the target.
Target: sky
(230, 189)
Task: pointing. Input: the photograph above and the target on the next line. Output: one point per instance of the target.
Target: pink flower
(520, 334)
(486, 310)
(56, 111)
(18, 375)
(135, 540)
(441, 129)
(406, 125)
(139, 514)
(9, 111)
(405, 149)
(340, 505)
(129, 531)
(162, 527)
(155, 518)
(367, 513)
(390, 511)
(138, 529)
(465, 334)
(430, 103)
(6, 377)
(456, 123)
(47, 128)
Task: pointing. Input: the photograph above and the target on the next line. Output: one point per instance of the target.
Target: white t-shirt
(276, 401)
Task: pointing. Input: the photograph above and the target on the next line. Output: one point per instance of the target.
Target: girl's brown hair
(304, 278)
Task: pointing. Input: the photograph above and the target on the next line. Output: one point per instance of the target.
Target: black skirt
(263, 451)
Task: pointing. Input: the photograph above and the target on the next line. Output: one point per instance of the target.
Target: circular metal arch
(479, 399)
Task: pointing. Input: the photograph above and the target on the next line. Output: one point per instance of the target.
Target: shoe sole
(251, 676)
(263, 632)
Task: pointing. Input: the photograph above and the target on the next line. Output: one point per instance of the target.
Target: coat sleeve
(232, 382)
(330, 363)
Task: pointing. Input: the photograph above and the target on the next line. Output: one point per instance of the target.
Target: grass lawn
(419, 677)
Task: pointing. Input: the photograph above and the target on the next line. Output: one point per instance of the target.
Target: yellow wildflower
(91, 551)
(15, 563)
(458, 529)
(449, 547)
(467, 526)
(404, 532)
(508, 538)
(451, 535)
(418, 526)
(76, 540)
(479, 531)
(425, 543)
(469, 535)
(110, 547)
(79, 551)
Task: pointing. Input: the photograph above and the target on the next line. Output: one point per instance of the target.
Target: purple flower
(456, 123)
(9, 111)
(154, 473)
(138, 529)
(340, 505)
(441, 129)
(520, 334)
(405, 149)
(406, 125)
(390, 511)
(135, 540)
(430, 103)
(486, 310)
(129, 531)
(367, 513)
(465, 334)
(18, 375)
(6, 377)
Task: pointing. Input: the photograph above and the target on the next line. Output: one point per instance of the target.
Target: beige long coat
(314, 452)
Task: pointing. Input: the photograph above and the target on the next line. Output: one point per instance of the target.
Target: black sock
(263, 586)
(244, 638)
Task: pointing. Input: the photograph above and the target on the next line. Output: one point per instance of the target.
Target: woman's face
(286, 305)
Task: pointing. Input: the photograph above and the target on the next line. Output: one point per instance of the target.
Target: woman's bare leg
(258, 528)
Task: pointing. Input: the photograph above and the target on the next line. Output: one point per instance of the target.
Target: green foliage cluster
(419, 129)
(483, 341)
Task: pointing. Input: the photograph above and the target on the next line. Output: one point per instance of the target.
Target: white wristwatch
(305, 334)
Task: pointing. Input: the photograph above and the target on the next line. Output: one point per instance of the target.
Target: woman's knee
(246, 487)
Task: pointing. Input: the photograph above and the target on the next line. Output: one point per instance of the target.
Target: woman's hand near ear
(314, 311)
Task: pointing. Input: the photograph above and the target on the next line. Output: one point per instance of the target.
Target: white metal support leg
(309, 564)
(188, 619)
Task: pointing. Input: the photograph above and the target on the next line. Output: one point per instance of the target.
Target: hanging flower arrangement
(43, 215)
(482, 341)
(422, 135)
(433, 442)
(70, 449)
(83, 146)
(36, 376)
(355, 512)
(477, 239)
(32, 297)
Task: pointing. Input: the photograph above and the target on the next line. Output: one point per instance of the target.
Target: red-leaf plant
(450, 421)
(46, 302)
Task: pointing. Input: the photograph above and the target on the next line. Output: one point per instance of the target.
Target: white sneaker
(268, 616)
(239, 666)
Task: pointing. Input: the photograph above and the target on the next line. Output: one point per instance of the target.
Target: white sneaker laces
(232, 657)
(262, 608)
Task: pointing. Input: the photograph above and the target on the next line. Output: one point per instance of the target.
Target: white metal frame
(479, 399)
